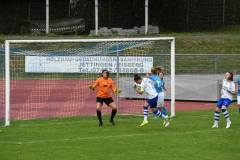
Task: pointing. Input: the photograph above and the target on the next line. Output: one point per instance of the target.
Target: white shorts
(160, 102)
(238, 99)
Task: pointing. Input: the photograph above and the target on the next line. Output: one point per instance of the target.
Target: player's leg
(156, 102)
(155, 115)
(216, 117)
(111, 103)
(145, 113)
(158, 112)
(217, 113)
(152, 103)
(164, 110)
(226, 103)
(160, 109)
(99, 113)
(160, 104)
(167, 119)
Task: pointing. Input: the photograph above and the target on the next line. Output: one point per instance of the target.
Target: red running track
(63, 98)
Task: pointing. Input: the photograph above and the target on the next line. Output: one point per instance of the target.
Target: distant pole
(146, 17)
(187, 14)
(47, 16)
(69, 8)
(223, 12)
(96, 17)
(69, 14)
(29, 11)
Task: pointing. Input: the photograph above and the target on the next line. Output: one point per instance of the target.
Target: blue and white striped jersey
(147, 86)
(230, 86)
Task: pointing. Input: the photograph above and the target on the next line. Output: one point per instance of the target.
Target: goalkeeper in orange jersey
(105, 84)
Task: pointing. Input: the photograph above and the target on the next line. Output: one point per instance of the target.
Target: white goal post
(50, 78)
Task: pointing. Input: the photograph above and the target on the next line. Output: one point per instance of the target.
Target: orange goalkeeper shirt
(104, 86)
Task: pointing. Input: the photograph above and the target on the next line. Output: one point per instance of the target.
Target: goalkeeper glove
(91, 87)
(117, 90)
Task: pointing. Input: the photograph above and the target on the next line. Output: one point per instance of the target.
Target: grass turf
(189, 136)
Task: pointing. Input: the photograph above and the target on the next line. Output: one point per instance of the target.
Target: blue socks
(164, 111)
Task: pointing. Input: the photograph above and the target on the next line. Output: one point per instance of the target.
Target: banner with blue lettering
(87, 64)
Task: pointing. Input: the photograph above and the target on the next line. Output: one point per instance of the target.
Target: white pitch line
(60, 123)
(120, 136)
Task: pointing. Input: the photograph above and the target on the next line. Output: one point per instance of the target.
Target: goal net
(51, 78)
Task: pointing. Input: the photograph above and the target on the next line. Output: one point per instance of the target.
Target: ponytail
(156, 70)
(136, 77)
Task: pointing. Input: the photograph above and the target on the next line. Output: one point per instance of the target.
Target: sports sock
(216, 117)
(155, 114)
(160, 114)
(164, 111)
(226, 115)
(113, 114)
(145, 113)
(99, 114)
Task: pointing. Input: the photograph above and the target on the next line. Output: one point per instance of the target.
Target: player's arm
(166, 90)
(237, 86)
(221, 92)
(148, 76)
(233, 89)
(112, 86)
(137, 90)
(115, 90)
(222, 88)
(92, 87)
(153, 83)
(232, 92)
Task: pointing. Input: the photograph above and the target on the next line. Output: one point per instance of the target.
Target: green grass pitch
(189, 136)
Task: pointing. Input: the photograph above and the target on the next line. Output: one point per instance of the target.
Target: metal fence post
(187, 14)
(223, 11)
(215, 62)
(146, 17)
(47, 16)
(96, 17)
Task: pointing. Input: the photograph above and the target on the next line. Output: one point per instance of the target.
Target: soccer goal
(51, 78)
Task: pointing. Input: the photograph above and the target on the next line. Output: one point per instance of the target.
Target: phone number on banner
(111, 70)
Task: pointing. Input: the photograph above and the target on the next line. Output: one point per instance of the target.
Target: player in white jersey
(159, 86)
(238, 95)
(227, 92)
(147, 86)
